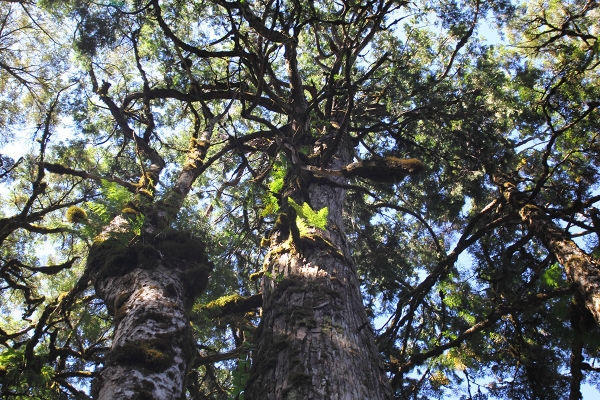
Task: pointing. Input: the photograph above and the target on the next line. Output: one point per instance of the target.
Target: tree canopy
(238, 155)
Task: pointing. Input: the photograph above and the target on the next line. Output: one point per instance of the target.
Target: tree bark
(148, 288)
(315, 340)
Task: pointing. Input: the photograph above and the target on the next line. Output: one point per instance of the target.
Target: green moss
(196, 279)
(530, 208)
(285, 247)
(194, 160)
(179, 245)
(384, 170)
(215, 308)
(129, 212)
(148, 255)
(282, 224)
(303, 316)
(152, 354)
(76, 215)
(111, 257)
(198, 143)
(327, 326)
(256, 275)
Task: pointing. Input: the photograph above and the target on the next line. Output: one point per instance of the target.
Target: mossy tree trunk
(315, 340)
(147, 287)
(148, 282)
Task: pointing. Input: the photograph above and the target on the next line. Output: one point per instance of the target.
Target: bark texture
(148, 288)
(315, 340)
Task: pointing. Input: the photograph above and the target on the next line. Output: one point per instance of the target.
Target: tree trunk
(315, 340)
(580, 268)
(147, 287)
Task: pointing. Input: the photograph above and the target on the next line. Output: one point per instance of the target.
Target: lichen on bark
(149, 285)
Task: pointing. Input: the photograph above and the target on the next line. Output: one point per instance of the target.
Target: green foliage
(114, 194)
(307, 217)
(553, 276)
(278, 176)
(114, 198)
(275, 278)
(240, 376)
(461, 284)
(271, 204)
(101, 211)
(25, 382)
(10, 359)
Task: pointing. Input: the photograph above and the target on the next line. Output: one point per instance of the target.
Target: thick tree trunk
(315, 340)
(148, 288)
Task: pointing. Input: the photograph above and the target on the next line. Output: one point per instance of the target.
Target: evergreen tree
(298, 199)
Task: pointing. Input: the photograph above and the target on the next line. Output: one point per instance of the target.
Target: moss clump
(129, 212)
(111, 257)
(148, 255)
(198, 143)
(282, 224)
(194, 161)
(219, 306)
(179, 245)
(196, 279)
(76, 215)
(302, 316)
(152, 354)
(384, 170)
(256, 275)
(146, 193)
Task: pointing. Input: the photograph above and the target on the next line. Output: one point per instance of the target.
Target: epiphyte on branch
(76, 215)
(383, 170)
